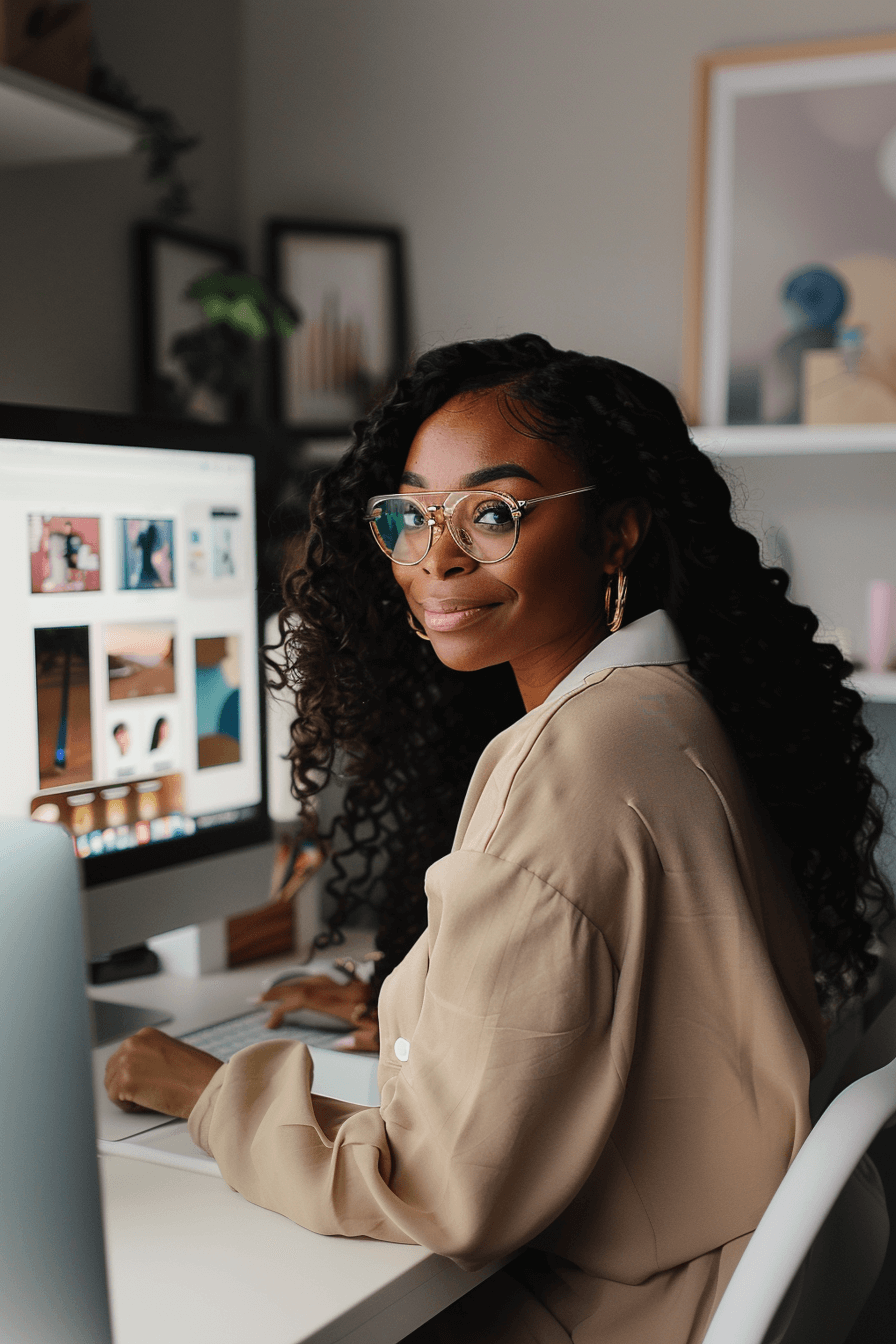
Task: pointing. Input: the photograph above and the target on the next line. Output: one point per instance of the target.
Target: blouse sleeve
(512, 1082)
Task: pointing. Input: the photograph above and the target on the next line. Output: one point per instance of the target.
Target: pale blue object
(851, 344)
(52, 1264)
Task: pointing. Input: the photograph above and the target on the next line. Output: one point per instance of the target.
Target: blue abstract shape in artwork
(815, 296)
(229, 716)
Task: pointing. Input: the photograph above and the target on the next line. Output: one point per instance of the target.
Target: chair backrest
(799, 1209)
(52, 1265)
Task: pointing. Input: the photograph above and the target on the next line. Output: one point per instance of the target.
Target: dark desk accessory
(126, 964)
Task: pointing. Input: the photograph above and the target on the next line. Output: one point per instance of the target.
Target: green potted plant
(218, 356)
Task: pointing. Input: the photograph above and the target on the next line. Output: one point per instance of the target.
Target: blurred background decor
(855, 383)
(168, 261)
(50, 40)
(54, 41)
(201, 317)
(792, 250)
(348, 282)
(163, 141)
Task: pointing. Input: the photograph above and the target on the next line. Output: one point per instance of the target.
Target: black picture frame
(348, 283)
(166, 260)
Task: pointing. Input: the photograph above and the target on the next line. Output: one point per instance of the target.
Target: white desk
(190, 1260)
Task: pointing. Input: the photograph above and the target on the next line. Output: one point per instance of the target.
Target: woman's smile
(448, 614)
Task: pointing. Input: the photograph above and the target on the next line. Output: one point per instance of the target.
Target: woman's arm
(152, 1071)
(501, 1076)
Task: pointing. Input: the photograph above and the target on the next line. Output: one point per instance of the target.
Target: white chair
(819, 1247)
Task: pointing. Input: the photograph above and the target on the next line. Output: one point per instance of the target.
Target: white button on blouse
(402, 1049)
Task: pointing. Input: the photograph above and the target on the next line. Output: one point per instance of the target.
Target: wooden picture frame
(748, 199)
(166, 261)
(348, 283)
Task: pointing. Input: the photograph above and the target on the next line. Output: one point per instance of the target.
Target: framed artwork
(347, 282)
(790, 313)
(167, 262)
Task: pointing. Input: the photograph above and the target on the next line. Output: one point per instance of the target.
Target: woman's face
(542, 608)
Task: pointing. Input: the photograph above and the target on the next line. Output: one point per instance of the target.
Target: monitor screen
(131, 709)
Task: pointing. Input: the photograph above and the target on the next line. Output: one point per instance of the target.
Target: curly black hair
(376, 708)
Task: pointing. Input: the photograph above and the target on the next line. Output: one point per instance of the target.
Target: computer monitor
(131, 708)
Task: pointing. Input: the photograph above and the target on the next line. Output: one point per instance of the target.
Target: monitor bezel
(53, 425)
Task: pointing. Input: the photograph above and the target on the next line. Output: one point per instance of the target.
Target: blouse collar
(650, 641)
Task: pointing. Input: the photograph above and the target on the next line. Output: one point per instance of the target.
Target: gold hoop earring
(417, 631)
(614, 621)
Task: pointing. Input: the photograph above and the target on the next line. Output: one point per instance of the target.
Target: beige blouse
(599, 1049)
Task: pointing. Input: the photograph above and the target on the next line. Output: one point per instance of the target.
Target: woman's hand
(364, 1039)
(324, 995)
(318, 992)
(155, 1072)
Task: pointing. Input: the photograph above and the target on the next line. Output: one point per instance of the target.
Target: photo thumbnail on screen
(107, 818)
(225, 540)
(124, 738)
(215, 558)
(140, 660)
(218, 701)
(62, 686)
(140, 737)
(65, 553)
(147, 552)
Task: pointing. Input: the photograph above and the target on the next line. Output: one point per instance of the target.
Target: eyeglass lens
(482, 525)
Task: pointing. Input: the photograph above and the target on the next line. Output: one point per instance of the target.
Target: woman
(148, 542)
(662, 876)
(160, 733)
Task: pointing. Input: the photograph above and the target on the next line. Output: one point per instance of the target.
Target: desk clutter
(269, 930)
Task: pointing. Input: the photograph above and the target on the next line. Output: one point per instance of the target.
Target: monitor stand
(114, 1021)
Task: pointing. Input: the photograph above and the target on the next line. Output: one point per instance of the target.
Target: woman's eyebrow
(501, 472)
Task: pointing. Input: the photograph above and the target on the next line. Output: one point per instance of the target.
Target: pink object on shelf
(880, 618)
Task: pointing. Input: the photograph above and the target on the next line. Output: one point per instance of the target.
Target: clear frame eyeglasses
(485, 524)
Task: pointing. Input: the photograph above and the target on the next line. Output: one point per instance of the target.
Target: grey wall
(838, 515)
(535, 150)
(65, 294)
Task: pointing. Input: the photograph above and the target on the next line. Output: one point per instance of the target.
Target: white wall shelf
(41, 122)
(790, 440)
(879, 686)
